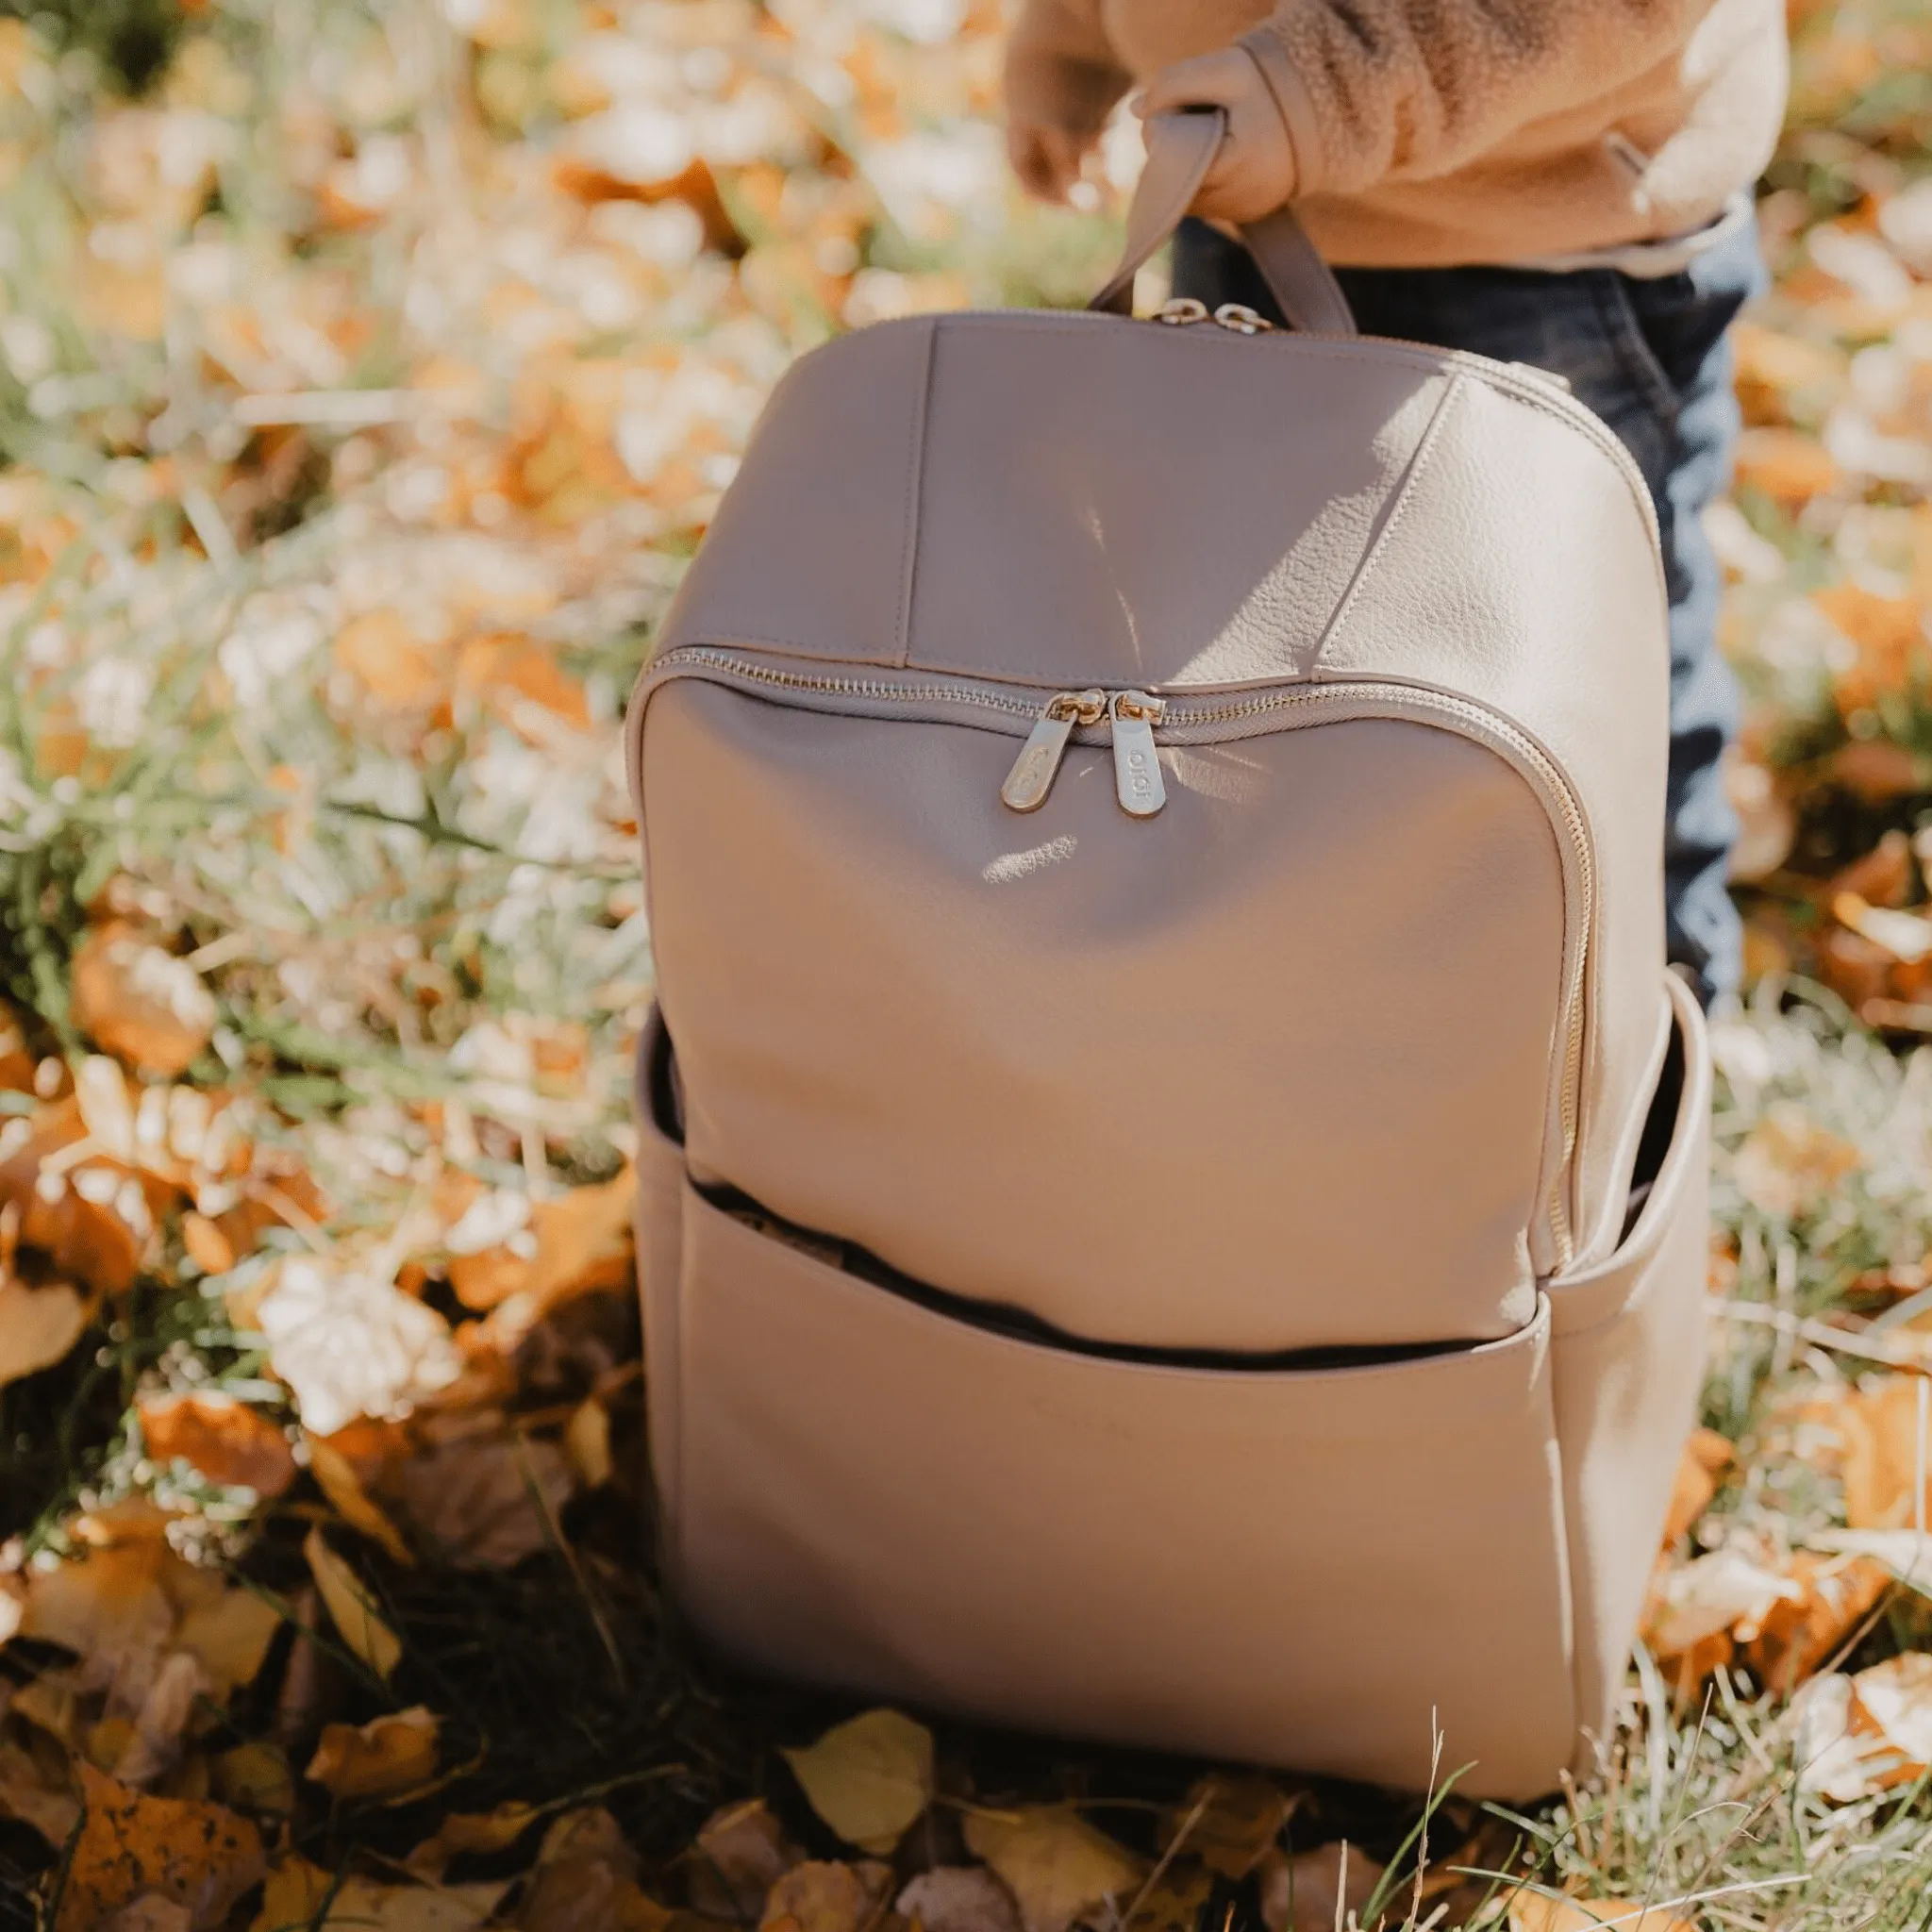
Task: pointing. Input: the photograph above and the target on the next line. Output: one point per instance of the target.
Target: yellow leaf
(191, 1854)
(1053, 1862)
(229, 1634)
(587, 1442)
(390, 1754)
(335, 1477)
(254, 1777)
(351, 1608)
(1227, 1821)
(293, 1897)
(869, 1778)
(38, 1326)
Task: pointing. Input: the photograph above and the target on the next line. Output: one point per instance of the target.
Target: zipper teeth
(984, 696)
(1484, 724)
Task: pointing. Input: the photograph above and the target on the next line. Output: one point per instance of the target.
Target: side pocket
(659, 1224)
(1295, 1566)
(1627, 1346)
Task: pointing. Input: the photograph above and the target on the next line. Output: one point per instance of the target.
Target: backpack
(1172, 1175)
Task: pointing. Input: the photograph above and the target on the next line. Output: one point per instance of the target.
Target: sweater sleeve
(1376, 90)
(1060, 70)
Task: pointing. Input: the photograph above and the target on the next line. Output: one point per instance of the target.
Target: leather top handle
(1180, 150)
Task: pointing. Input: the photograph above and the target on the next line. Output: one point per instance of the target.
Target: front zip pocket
(1130, 719)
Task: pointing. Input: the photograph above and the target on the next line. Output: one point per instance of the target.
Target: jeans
(1653, 359)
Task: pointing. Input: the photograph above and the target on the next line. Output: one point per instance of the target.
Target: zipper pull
(1033, 771)
(1136, 763)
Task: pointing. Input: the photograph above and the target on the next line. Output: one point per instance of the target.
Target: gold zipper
(1137, 779)
(1038, 762)
(1054, 722)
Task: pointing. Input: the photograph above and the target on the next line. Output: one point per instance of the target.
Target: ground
(367, 374)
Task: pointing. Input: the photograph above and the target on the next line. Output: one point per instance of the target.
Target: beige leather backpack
(1173, 1173)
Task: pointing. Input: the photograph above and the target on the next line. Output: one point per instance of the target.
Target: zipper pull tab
(1033, 771)
(1136, 763)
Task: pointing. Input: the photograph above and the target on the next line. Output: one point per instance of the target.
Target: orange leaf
(390, 1754)
(139, 1002)
(192, 1854)
(226, 1440)
(1784, 464)
(381, 651)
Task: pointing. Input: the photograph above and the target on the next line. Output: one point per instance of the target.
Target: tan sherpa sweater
(1433, 133)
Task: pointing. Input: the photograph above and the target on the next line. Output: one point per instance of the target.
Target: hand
(1048, 159)
(1255, 172)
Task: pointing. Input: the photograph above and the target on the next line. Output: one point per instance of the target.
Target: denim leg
(1652, 359)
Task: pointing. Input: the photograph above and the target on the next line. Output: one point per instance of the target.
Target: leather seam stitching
(915, 478)
(1417, 467)
(1400, 498)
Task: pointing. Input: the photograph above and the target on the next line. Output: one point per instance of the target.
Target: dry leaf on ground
(37, 1324)
(740, 1854)
(1172, 1898)
(1861, 1735)
(200, 1856)
(1707, 1455)
(1228, 1821)
(351, 1607)
(870, 1778)
(225, 1441)
(586, 1876)
(390, 1754)
(335, 1475)
(470, 1831)
(1800, 1634)
(36, 1795)
(1316, 1890)
(349, 1343)
(293, 1899)
(138, 1002)
(488, 1497)
(1533, 1911)
(958, 1898)
(825, 1896)
(1053, 1862)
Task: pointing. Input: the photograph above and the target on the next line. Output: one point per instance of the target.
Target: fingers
(1254, 173)
(1046, 159)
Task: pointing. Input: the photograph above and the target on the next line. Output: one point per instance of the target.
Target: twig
(1821, 1335)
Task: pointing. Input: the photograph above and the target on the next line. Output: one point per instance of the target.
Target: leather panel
(1630, 1351)
(1558, 618)
(812, 548)
(878, 1498)
(1208, 1079)
(1104, 515)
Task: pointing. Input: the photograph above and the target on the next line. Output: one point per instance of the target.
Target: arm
(1061, 81)
(1373, 91)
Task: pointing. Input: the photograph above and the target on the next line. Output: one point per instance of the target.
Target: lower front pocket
(1299, 1567)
